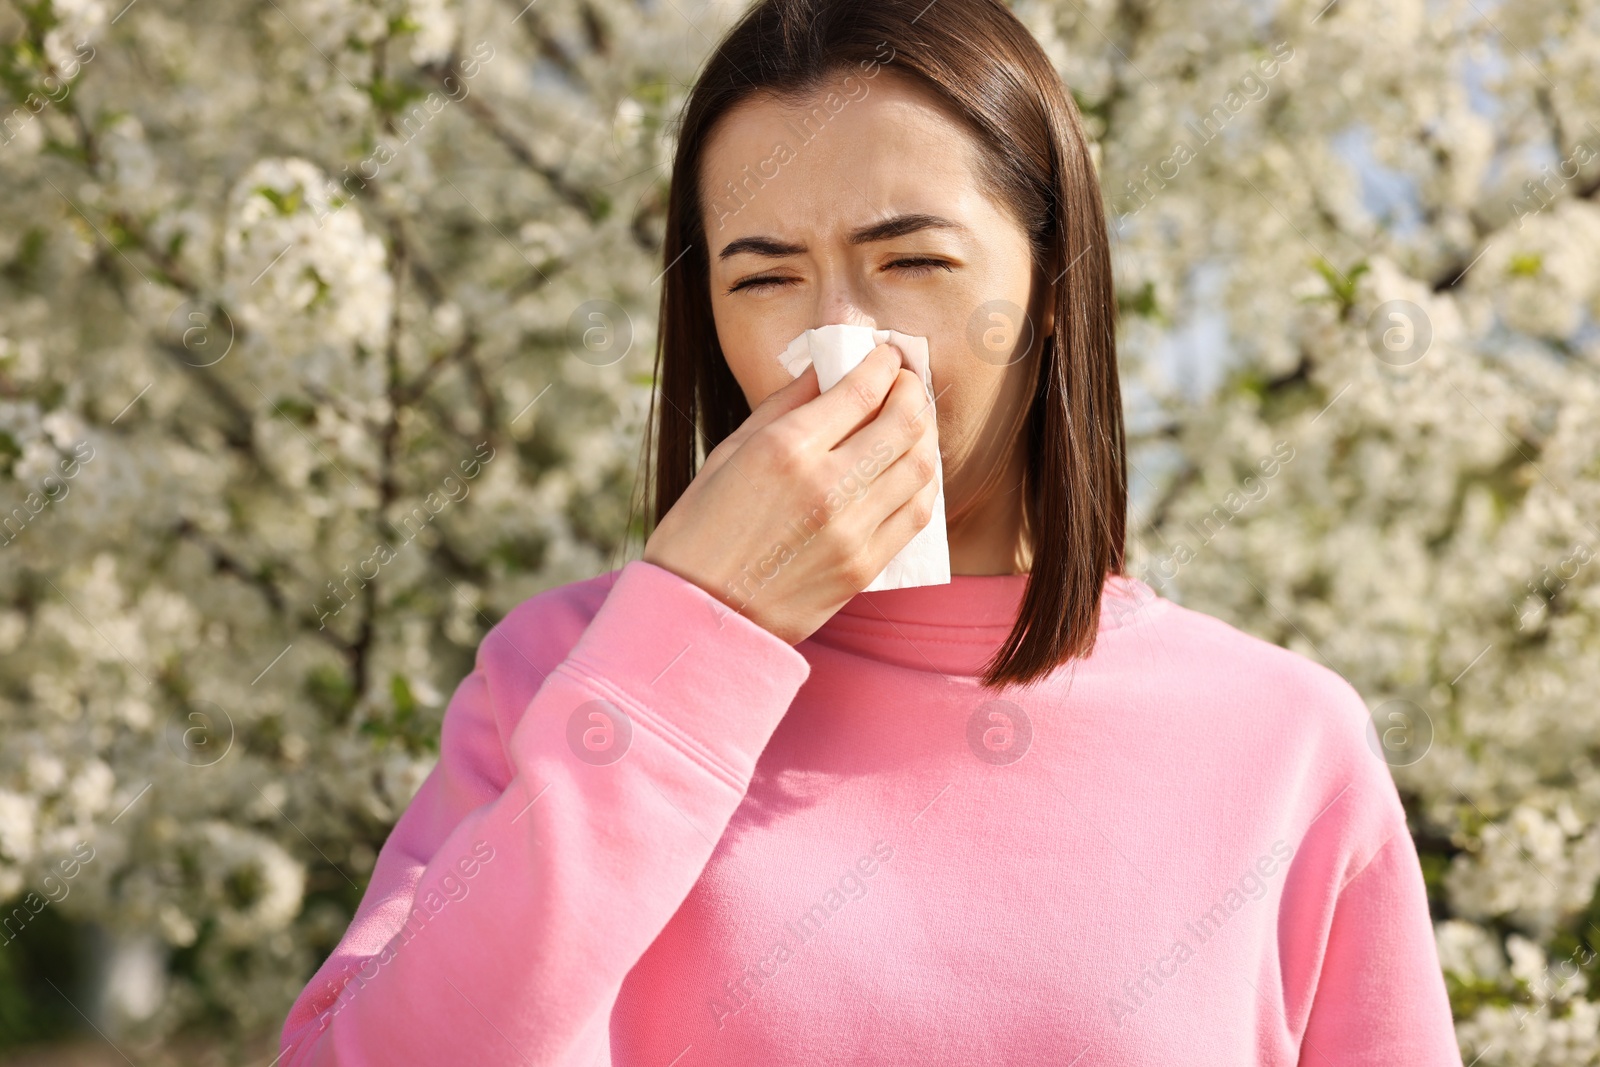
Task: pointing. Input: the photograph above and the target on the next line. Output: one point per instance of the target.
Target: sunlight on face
(805, 237)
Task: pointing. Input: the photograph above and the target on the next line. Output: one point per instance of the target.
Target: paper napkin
(835, 351)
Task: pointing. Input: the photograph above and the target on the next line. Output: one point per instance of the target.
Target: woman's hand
(809, 499)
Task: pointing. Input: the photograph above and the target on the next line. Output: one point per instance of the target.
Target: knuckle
(857, 570)
(914, 418)
(925, 458)
(817, 491)
(863, 394)
(782, 452)
(809, 487)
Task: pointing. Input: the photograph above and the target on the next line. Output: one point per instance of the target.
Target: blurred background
(326, 332)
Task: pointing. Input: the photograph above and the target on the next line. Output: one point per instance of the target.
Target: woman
(719, 806)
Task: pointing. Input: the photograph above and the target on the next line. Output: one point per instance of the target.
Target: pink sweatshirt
(659, 836)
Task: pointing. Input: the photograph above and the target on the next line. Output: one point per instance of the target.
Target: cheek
(983, 352)
(759, 374)
(979, 405)
(963, 396)
(750, 344)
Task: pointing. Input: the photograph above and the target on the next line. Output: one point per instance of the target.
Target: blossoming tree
(325, 338)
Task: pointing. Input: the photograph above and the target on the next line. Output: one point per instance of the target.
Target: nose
(839, 303)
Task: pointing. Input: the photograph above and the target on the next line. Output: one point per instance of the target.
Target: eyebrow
(897, 226)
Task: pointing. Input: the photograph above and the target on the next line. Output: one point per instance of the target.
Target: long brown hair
(987, 67)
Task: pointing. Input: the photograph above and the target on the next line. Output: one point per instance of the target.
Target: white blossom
(261, 308)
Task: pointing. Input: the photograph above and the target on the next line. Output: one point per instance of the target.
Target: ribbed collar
(954, 629)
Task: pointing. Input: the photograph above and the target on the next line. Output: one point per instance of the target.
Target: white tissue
(836, 350)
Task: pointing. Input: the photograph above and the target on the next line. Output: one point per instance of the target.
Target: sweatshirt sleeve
(1381, 997)
(531, 872)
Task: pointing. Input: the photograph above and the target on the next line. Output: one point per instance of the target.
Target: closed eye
(915, 266)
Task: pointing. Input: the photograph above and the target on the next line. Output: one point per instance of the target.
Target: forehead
(877, 146)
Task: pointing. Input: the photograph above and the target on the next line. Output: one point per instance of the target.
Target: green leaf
(1342, 289)
(331, 691)
(405, 724)
(392, 96)
(286, 203)
(294, 409)
(405, 704)
(319, 297)
(654, 93)
(523, 554)
(10, 452)
(1142, 303)
(1525, 264)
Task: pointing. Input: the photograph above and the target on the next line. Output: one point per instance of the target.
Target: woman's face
(794, 249)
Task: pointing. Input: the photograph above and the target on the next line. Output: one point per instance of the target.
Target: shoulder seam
(559, 596)
(1368, 861)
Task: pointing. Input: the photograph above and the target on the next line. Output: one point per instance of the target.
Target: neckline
(986, 600)
(954, 629)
